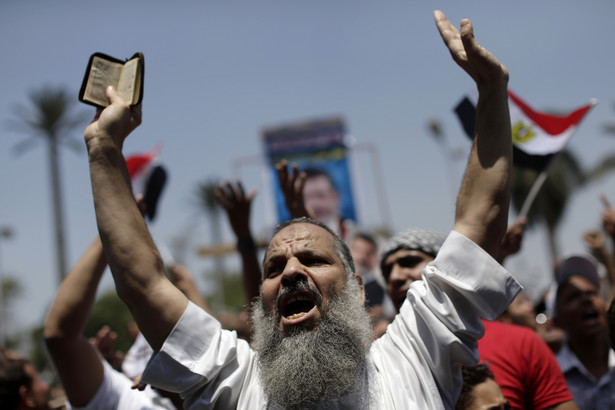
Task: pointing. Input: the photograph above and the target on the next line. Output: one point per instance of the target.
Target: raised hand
(116, 121)
(594, 240)
(237, 205)
(483, 201)
(608, 217)
(105, 343)
(292, 187)
(477, 61)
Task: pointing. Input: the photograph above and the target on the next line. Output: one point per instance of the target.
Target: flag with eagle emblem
(537, 137)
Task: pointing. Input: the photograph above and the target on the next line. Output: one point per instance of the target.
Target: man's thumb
(112, 95)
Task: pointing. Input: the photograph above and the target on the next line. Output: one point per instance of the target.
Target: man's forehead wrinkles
(281, 246)
(292, 247)
(300, 233)
(293, 241)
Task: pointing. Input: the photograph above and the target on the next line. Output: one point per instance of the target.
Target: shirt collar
(569, 361)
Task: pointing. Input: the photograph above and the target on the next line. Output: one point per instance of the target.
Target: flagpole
(542, 177)
(529, 199)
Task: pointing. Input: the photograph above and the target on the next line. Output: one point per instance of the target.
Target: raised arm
(596, 242)
(135, 263)
(608, 222)
(484, 197)
(76, 360)
(237, 206)
(608, 217)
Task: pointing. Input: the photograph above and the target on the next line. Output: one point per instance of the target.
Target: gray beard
(309, 368)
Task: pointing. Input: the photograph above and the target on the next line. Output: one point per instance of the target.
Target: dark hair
(341, 249)
(366, 237)
(472, 376)
(311, 173)
(12, 376)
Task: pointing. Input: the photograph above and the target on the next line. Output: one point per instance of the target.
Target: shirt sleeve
(201, 361)
(440, 319)
(547, 383)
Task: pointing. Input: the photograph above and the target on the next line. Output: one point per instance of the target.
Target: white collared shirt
(415, 365)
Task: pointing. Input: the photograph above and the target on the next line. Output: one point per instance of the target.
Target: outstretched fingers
(298, 181)
(283, 177)
(290, 183)
(240, 193)
(230, 195)
(475, 60)
(223, 195)
(226, 195)
(450, 35)
(605, 201)
(248, 198)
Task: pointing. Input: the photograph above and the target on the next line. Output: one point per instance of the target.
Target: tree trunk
(56, 196)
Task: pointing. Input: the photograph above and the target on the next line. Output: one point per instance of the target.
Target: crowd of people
(336, 317)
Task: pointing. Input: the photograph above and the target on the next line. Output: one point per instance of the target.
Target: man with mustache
(404, 256)
(586, 357)
(311, 342)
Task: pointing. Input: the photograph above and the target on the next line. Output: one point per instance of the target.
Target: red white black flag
(537, 136)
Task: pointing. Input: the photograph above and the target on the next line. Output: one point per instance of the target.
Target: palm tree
(565, 177)
(51, 117)
(9, 289)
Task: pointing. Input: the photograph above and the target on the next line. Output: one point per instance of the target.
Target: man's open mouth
(297, 304)
(590, 316)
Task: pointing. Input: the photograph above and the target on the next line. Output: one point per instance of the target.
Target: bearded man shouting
(311, 343)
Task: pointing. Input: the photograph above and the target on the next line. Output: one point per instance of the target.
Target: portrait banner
(314, 146)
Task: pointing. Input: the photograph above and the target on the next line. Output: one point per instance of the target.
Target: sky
(217, 73)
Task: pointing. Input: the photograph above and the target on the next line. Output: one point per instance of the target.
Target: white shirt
(115, 393)
(136, 357)
(415, 365)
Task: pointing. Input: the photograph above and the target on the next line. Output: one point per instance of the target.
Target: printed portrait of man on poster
(318, 148)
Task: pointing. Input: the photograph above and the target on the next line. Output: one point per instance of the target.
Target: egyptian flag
(148, 177)
(537, 137)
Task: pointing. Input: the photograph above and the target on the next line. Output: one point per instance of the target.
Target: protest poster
(317, 145)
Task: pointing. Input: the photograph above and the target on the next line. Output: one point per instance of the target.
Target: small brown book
(125, 75)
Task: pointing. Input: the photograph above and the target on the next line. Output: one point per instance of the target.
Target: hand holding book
(126, 76)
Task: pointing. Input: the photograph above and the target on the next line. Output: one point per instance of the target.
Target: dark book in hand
(126, 76)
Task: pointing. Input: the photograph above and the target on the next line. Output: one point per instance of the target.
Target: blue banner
(318, 148)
